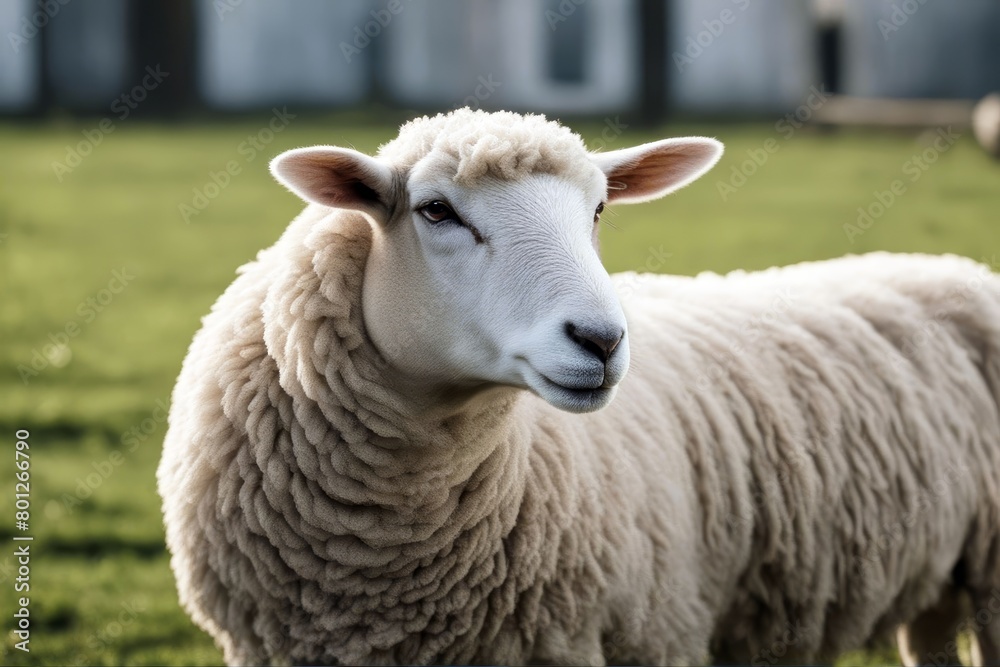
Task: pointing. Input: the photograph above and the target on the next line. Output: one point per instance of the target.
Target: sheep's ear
(336, 177)
(652, 170)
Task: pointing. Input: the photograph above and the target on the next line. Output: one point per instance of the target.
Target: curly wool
(774, 428)
(842, 420)
(311, 521)
(500, 144)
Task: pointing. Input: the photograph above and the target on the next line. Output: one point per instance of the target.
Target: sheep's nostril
(599, 341)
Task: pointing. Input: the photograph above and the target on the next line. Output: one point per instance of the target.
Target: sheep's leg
(916, 648)
(989, 647)
(930, 638)
(986, 623)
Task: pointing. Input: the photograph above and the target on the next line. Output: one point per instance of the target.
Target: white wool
(502, 144)
(806, 457)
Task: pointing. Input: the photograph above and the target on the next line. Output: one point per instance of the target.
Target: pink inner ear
(341, 189)
(653, 170)
(332, 179)
(659, 170)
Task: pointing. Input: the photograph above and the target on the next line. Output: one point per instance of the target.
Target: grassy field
(104, 282)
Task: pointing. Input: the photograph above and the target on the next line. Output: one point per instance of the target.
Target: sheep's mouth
(577, 395)
(573, 399)
(584, 389)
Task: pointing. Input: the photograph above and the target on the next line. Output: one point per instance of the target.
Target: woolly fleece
(815, 447)
(501, 144)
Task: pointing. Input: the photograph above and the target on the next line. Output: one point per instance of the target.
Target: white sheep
(798, 461)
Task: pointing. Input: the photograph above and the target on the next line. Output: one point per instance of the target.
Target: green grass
(101, 588)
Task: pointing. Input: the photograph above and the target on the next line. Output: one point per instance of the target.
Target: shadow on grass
(96, 546)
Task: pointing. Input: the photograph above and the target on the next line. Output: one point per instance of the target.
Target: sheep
(986, 123)
(426, 426)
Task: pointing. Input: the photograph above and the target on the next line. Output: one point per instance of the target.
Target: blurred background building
(561, 56)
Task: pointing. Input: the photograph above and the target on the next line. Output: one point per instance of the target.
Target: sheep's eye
(597, 213)
(437, 211)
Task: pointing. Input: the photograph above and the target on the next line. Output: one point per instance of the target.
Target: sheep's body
(802, 455)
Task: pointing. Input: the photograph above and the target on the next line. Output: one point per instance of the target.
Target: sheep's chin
(568, 399)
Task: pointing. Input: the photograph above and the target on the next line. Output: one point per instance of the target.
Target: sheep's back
(840, 436)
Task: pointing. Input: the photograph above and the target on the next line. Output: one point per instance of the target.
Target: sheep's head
(484, 268)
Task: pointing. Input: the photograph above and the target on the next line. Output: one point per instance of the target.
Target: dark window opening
(569, 25)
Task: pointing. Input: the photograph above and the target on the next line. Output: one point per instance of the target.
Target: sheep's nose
(600, 341)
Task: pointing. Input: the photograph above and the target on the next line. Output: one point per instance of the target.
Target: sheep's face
(500, 282)
(496, 282)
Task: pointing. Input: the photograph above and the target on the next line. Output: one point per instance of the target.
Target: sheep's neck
(394, 488)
